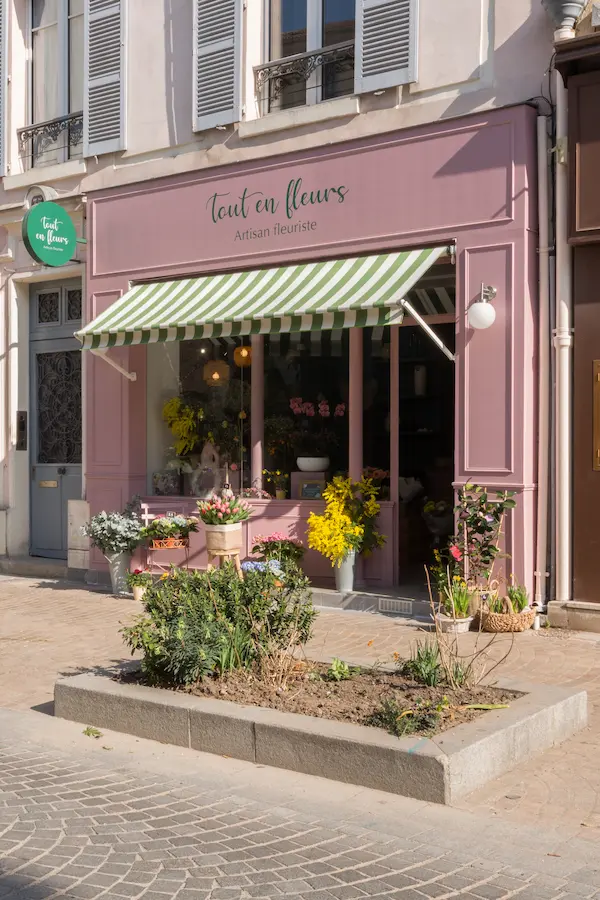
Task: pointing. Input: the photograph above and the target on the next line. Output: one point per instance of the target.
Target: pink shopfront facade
(467, 184)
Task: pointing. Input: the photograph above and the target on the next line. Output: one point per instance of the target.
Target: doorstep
(398, 602)
(575, 615)
(33, 567)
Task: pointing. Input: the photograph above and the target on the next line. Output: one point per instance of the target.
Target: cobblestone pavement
(81, 819)
(51, 629)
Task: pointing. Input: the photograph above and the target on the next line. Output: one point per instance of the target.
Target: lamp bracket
(487, 293)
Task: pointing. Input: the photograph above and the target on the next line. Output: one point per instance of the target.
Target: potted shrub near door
(116, 535)
(347, 527)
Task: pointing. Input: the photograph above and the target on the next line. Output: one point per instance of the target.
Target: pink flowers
(275, 538)
(224, 510)
(455, 552)
(301, 407)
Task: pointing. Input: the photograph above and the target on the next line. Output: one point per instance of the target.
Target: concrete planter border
(440, 770)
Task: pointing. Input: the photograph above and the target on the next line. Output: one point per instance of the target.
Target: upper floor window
(56, 98)
(314, 40)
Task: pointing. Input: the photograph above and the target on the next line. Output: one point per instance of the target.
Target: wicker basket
(169, 543)
(224, 538)
(506, 622)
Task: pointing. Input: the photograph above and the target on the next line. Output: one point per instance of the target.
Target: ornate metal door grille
(58, 388)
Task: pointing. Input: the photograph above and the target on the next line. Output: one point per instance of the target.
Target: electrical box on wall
(21, 430)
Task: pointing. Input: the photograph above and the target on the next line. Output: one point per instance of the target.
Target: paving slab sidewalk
(49, 629)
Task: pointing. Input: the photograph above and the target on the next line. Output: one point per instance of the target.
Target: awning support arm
(102, 354)
(427, 329)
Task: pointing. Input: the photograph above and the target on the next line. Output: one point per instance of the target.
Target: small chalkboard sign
(311, 490)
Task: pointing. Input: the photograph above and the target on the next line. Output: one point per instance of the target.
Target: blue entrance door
(55, 417)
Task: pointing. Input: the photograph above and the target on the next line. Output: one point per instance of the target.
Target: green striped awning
(341, 293)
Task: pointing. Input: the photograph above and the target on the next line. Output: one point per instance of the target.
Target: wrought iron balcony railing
(56, 140)
(301, 66)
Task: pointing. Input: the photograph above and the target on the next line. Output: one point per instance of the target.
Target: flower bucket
(138, 592)
(224, 538)
(280, 495)
(118, 565)
(171, 543)
(344, 574)
(450, 625)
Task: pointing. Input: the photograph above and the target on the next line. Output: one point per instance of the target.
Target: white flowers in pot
(116, 535)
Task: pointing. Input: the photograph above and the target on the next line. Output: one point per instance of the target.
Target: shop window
(208, 416)
(314, 44)
(306, 397)
(56, 131)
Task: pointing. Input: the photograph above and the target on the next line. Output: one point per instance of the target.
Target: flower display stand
(233, 555)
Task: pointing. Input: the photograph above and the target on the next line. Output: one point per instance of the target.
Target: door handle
(62, 470)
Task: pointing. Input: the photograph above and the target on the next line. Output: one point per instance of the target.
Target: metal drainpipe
(541, 573)
(563, 344)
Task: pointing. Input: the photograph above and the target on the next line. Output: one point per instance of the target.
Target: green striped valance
(341, 293)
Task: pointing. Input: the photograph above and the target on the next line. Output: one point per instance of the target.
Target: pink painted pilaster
(394, 413)
(355, 404)
(257, 409)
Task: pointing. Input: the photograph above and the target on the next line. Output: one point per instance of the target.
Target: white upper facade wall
(465, 56)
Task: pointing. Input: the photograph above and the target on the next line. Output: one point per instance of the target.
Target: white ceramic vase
(313, 463)
(344, 574)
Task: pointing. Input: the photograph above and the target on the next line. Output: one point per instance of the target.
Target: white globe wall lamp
(481, 314)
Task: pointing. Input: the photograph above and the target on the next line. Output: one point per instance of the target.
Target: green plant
(340, 670)
(139, 578)
(424, 665)
(202, 623)
(277, 478)
(278, 546)
(223, 510)
(114, 532)
(424, 716)
(480, 518)
(457, 598)
(163, 527)
(518, 596)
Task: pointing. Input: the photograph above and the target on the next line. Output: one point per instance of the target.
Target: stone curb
(439, 770)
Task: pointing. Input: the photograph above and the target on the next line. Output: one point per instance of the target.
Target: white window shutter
(386, 44)
(3, 82)
(104, 114)
(217, 63)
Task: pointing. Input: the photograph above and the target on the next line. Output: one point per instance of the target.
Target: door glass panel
(48, 308)
(58, 386)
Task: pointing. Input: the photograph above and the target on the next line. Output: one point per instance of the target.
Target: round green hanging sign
(49, 234)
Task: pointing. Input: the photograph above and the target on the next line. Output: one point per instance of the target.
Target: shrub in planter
(170, 531)
(116, 535)
(205, 623)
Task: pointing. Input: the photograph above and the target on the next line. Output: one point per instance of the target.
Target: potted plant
(278, 479)
(170, 532)
(278, 546)
(456, 600)
(476, 546)
(312, 439)
(222, 518)
(139, 580)
(116, 535)
(508, 614)
(347, 527)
